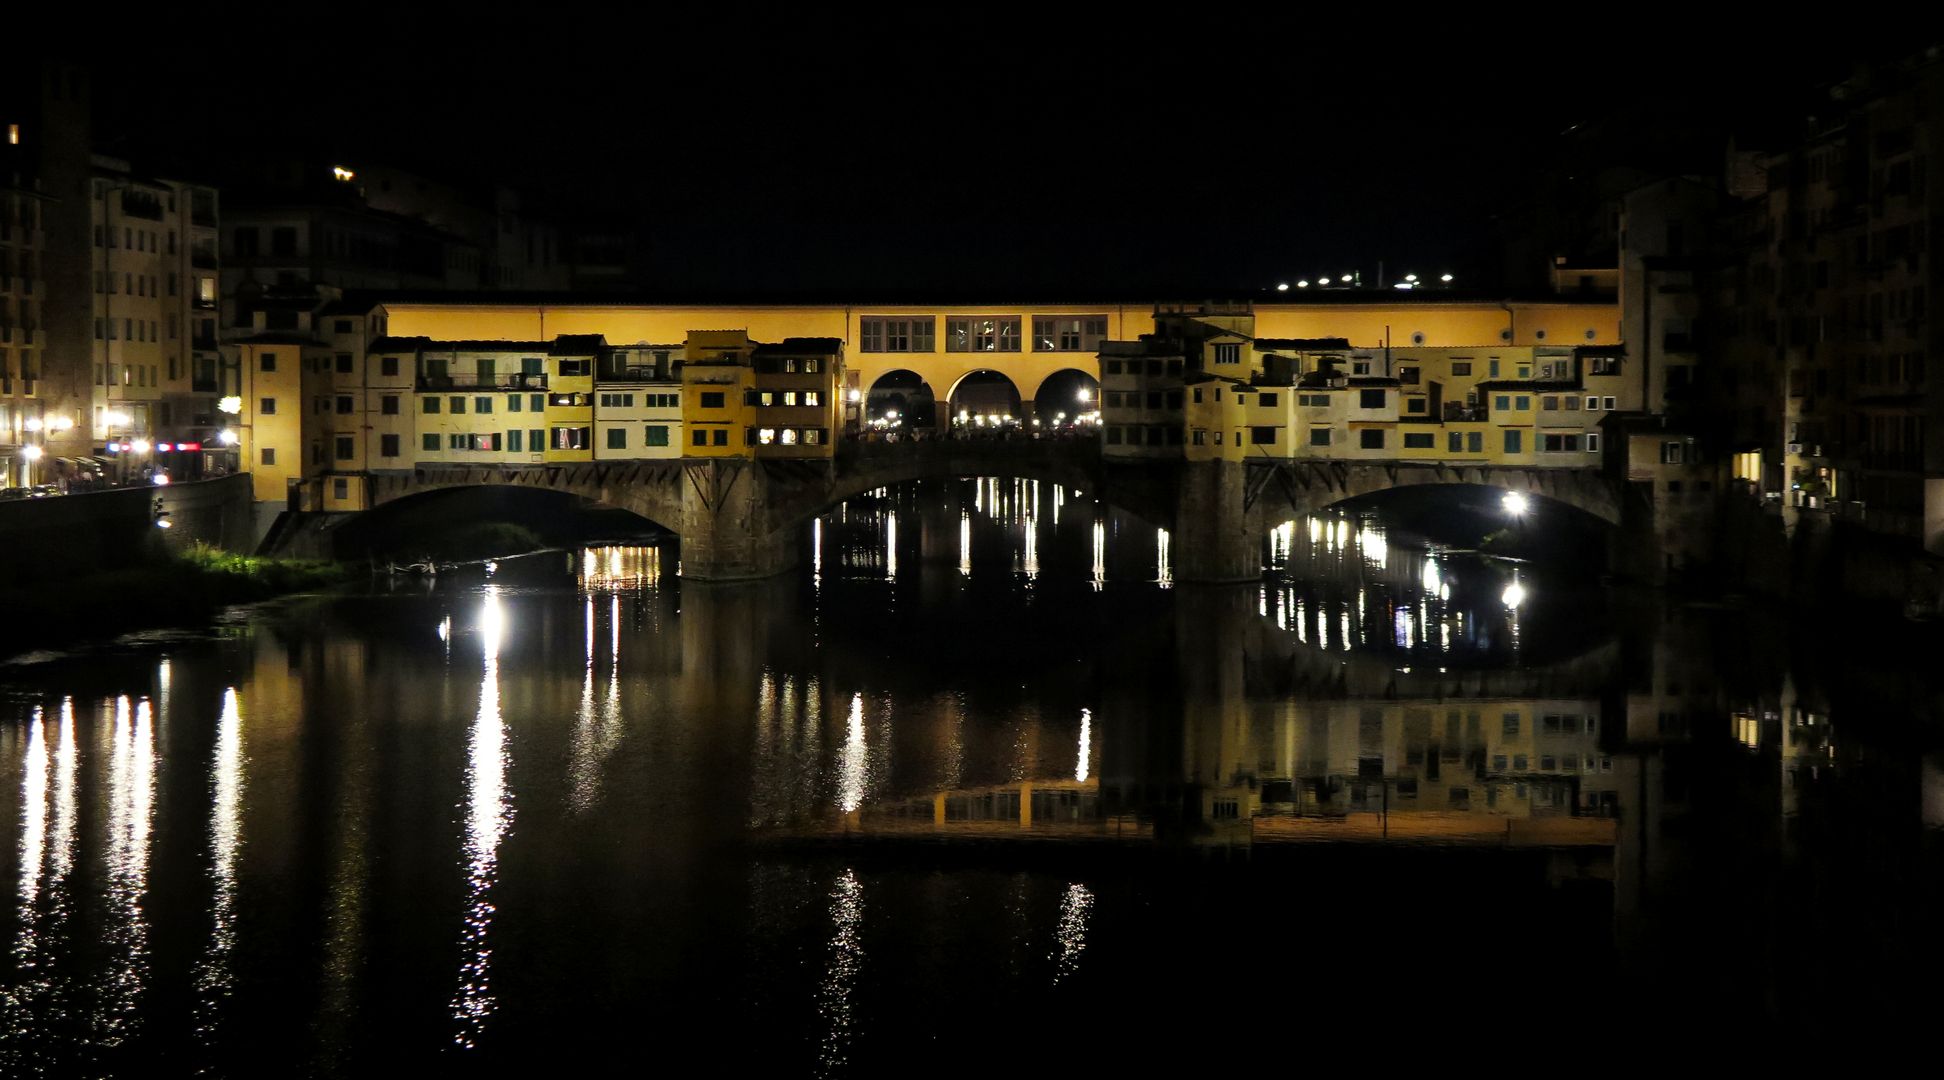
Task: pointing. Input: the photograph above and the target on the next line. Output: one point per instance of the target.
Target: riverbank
(179, 589)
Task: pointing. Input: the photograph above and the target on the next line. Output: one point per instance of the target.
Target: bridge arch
(984, 392)
(906, 393)
(1279, 491)
(1068, 392)
(649, 490)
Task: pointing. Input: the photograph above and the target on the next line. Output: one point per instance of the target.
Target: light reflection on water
(1363, 693)
(489, 813)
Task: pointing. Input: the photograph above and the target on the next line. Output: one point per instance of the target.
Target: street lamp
(1514, 503)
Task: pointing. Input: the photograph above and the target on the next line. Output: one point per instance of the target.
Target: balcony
(141, 204)
(634, 375)
(482, 382)
(201, 259)
(1457, 413)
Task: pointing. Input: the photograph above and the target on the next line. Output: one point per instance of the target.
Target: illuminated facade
(156, 368)
(1207, 387)
(768, 384)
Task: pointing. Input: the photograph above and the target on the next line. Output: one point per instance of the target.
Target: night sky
(981, 153)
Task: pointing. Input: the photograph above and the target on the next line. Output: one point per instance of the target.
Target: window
(1592, 442)
(571, 438)
(982, 335)
(574, 367)
(387, 446)
(1075, 333)
(1200, 436)
(388, 405)
(431, 404)
(712, 399)
(268, 407)
(721, 437)
(1267, 400)
(1319, 436)
(1503, 403)
(1461, 367)
(1592, 403)
(536, 440)
(1420, 440)
(1514, 441)
(513, 403)
(344, 363)
(346, 447)
(1554, 443)
(699, 437)
(1371, 438)
(344, 405)
(267, 362)
(1673, 453)
(482, 405)
(1228, 353)
(901, 334)
(1262, 436)
(656, 435)
(1609, 403)
(1603, 365)
(1113, 436)
(1549, 402)
(340, 488)
(268, 456)
(1523, 403)
(1455, 443)
(458, 442)
(617, 438)
(1370, 399)
(812, 397)
(536, 402)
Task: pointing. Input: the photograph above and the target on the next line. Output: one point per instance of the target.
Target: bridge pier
(1213, 542)
(725, 532)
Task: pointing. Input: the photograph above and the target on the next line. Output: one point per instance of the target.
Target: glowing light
(32, 423)
(227, 437)
(1514, 595)
(142, 446)
(1166, 576)
(891, 547)
(1099, 555)
(32, 453)
(1283, 287)
(1322, 281)
(232, 405)
(1305, 284)
(1410, 277)
(161, 479)
(1431, 579)
(1086, 746)
(214, 980)
(1514, 503)
(1446, 279)
(115, 418)
(1373, 546)
(1084, 395)
(342, 174)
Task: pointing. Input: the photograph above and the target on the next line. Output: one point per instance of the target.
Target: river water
(979, 787)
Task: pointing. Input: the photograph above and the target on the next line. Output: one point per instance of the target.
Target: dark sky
(1027, 153)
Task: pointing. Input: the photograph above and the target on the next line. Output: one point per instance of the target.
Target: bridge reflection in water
(486, 770)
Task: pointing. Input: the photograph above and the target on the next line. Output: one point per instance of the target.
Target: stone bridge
(739, 519)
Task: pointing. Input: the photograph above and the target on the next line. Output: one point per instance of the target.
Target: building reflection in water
(489, 813)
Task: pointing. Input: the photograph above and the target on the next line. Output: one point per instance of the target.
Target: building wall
(627, 412)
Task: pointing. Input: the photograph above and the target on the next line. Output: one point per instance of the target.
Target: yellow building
(570, 397)
(717, 412)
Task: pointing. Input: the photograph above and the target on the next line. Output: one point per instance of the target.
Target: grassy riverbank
(183, 589)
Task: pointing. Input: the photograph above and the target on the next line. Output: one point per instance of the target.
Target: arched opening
(487, 520)
(900, 401)
(985, 401)
(1068, 403)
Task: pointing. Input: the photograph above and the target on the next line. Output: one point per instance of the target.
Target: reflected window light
(1099, 555)
(489, 814)
(1166, 576)
(834, 994)
(851, 763)
(1086, 745)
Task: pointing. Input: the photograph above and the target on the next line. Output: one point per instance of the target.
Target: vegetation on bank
(178, 589)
